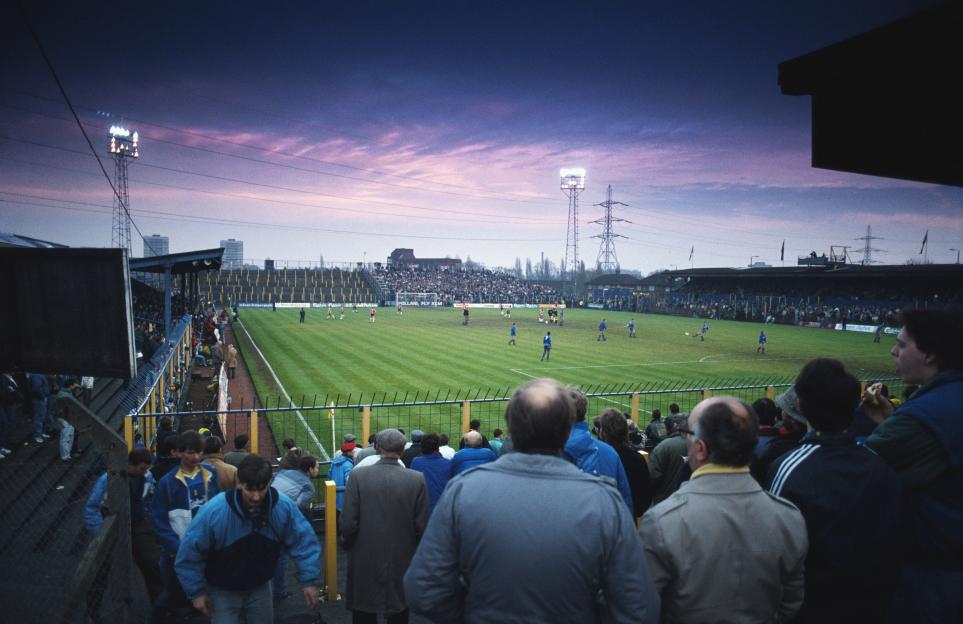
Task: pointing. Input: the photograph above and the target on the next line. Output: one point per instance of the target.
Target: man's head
(674, 408)
(767, 411)
(289, 443)
(929, 342)
(190, 445)
(723, 431)
(579, 401)
(138, 462)
(430, 443)
(444, 439)
(674, 422)
(473, 439)
(614, 428)
(497, 434)
(416, 436)
(167, 447)
(391, 443)
(240, 441)
(656, 414)
(540, 416)
(253, 479)
(213, 445)
(474, 424)
(309, 464)
(827, 394)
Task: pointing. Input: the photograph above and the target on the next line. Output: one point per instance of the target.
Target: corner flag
(782, 252)
(925, 238)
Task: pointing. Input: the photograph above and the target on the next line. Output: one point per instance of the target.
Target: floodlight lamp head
(572, 178)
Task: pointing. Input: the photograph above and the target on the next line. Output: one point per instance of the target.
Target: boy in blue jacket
(229, 553)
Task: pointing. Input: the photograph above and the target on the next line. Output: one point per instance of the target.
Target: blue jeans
(228, 605)
(172, 594)
(40, 416)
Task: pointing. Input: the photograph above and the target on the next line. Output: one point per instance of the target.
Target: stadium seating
(287, 286)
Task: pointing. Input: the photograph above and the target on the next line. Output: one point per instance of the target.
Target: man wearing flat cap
(384, 516)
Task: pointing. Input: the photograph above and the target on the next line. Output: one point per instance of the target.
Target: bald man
(473, 454)
(721, 548)
(567, 539)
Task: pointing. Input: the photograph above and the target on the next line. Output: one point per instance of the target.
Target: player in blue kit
(762, 342)
(546, 347)
(631, 327)
(512, 333)
(602, 328)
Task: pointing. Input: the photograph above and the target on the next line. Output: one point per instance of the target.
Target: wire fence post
(635, 407)
(253, 428)
(465, 416)
(330, 542)
(365, 423)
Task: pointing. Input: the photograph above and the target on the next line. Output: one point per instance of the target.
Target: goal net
(418, 299)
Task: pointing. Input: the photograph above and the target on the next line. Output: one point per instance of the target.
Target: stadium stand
(482, 286)
(288, 285)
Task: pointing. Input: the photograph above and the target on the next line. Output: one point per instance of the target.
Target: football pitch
(429, 353)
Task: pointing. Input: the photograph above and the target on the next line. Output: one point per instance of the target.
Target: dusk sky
(349, 129)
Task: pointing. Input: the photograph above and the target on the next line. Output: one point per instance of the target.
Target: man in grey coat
(721, 548)
(384, 516)
(563, 550)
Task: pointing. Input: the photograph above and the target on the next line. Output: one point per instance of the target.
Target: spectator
(226, 473)
(496, 442)
(339, 472)
(231, 361)
(768, 413)
(849, 498)
(414, 449)
(236, 456)
(590, 455)
(794, 427)
(667, 461)
(468, 562)
(165, 428)
(360, 454)
(384, 517)
(229, 552)
(655, 431)
(9, 398)
(296, 484)
(472, 454)
(143, 543)
(764, 537)
(437, 469)
(167, 458)
(178, 497)
(349, 445)
(446, 451)
(39, 389)
(614, 430)
(923, 440)
(475, 425)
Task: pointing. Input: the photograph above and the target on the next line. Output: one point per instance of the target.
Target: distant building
(156, 245)
(405, 258)
(268, 264)
(233, 254)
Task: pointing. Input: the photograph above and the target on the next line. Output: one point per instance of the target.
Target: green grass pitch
(430, 351)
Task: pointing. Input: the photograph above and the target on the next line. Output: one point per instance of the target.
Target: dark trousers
(363, 617)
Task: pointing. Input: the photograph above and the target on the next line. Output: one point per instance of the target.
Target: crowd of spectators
(475, 286)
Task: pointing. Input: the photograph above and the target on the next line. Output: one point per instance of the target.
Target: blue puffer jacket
(597, 458)
(229, 548)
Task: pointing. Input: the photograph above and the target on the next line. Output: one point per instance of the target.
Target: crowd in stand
(790, 310)
(476, 286)
(828, 504)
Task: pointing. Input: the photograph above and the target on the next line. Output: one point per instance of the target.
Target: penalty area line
(311, 434)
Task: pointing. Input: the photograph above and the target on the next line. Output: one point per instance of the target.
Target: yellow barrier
(365, 425)
(465, 416)
(254, 432)
(330, 542)
(635, 408)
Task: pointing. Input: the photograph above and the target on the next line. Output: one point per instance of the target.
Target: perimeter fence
(319, 424)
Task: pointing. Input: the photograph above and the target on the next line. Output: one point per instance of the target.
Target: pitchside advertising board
(66, 311)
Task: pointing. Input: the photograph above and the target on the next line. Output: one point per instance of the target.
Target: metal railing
(319, 424)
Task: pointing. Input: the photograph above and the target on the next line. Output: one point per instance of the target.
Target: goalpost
(426, 299)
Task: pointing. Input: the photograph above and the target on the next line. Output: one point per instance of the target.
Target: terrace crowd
(476, 286)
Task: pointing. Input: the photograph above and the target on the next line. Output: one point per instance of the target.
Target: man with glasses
(721, 548)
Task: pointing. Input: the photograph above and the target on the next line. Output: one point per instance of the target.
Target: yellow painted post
(770, 393)
(635, 407)
(253, 432)
(330, 542)
(706, 393)
(465, 416)
(365, 423)
(129, 432)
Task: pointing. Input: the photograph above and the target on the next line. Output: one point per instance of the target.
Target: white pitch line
(310, 431)
(699, 361)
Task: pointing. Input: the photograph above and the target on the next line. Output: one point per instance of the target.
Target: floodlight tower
(607, 260)
(123, 147)
(573, 183)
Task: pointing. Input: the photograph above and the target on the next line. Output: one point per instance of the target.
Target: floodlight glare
(123, 142)
(573, 178)
(118, 131)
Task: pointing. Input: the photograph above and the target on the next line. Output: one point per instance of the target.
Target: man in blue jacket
(593, 456)
(923, 440)
(229, 553)
(178, 497)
